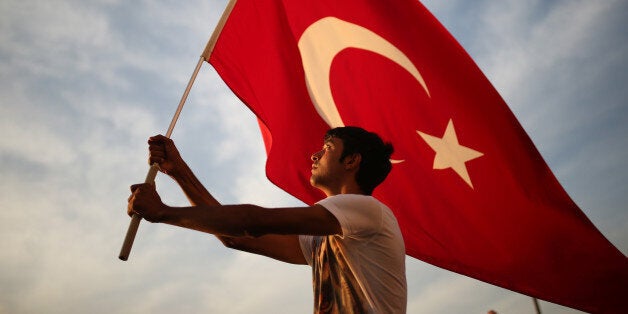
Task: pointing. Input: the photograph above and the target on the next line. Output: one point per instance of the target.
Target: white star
(450, 154)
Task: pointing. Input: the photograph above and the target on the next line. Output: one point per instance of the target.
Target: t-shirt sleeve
(359, 216)
(306, 247)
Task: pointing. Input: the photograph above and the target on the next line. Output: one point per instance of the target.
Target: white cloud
(524, 59)
(35, 143)
(268, 286)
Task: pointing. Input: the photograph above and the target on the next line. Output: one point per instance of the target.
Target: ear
(352, 161)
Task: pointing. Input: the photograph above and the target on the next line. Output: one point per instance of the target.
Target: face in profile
(326, 165)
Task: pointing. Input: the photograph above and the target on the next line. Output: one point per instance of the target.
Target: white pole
(537, 307)
(154, 168)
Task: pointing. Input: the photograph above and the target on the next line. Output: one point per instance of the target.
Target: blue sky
(85, 83)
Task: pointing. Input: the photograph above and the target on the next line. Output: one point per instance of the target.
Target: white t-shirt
(362, 270)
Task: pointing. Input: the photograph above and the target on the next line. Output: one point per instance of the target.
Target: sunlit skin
(272, 232)
(330, 174)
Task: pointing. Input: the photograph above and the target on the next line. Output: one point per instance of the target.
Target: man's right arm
(285, 248)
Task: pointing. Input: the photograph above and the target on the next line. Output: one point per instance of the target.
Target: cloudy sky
(84, 83)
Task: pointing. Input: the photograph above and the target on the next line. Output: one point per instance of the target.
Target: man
(351, 240)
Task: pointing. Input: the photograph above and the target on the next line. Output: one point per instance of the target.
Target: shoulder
(351, 201)
(356, 213)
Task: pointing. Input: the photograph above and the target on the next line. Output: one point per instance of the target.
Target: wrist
(164, 214)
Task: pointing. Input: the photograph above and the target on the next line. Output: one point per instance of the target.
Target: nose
(316, 156)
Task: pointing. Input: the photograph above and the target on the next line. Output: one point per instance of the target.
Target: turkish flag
(471, 192)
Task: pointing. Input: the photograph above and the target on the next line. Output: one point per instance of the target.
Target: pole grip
(154, 168)
(136, 219)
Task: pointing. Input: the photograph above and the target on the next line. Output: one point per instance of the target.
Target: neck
(343, 189)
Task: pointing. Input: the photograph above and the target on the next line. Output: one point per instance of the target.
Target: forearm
(196, 193)
(229, 221)
(238, 228)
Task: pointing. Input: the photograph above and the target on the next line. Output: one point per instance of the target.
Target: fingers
(157, 154)
(145, 202)
(161, 149)
(135, 186)
(158, 138)
(140, 187)
(157, 149)
(129, 208)
(136, 189)
(160, 141)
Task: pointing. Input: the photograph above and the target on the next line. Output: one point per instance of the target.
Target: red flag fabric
(471, 192)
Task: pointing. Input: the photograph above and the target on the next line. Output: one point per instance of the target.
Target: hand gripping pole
(152, 172)
(154, 168)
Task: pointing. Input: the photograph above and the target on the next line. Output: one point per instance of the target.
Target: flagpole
(154, 168)
(537, 307)
(221, 23)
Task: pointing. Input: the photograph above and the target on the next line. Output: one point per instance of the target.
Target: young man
(351, 240)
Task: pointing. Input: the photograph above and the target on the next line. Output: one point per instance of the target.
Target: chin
(314, 182)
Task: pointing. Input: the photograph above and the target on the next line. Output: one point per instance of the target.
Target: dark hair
(375, 164)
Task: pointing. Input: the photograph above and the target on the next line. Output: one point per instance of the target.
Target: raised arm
(270, 232)
(164, 152)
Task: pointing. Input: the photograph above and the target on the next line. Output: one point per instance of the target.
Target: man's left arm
(245, 223)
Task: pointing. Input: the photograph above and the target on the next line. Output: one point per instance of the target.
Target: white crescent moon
(322, 41)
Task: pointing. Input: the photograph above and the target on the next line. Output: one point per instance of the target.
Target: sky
(85, 83)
